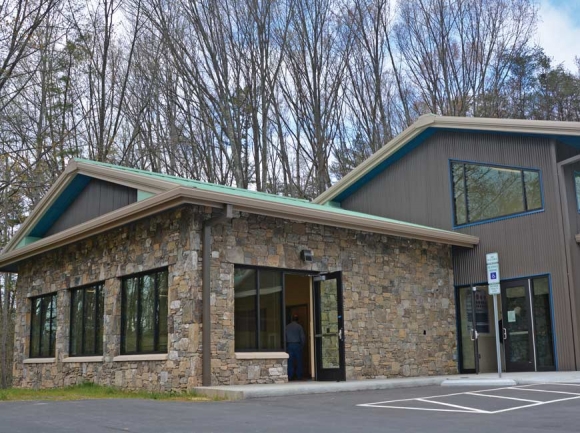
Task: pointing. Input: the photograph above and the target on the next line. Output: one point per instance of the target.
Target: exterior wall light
(306, 256)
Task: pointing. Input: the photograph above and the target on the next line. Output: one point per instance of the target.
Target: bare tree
(313, 84)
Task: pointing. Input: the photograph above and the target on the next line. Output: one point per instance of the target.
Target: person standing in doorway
(295, 340)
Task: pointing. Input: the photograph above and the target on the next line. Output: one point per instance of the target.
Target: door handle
(504, 333)
(471, 335)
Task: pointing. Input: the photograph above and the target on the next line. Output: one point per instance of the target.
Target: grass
(90, 391)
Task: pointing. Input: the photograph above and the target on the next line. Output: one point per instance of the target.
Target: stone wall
(398, 299)
(168, 240)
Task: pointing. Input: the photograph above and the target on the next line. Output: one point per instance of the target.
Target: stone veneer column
(112, 320)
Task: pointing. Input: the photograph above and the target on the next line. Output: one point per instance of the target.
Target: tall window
(43, 326)
(144, 313)
(258, 304)
(86, 321)
(484, 192)
(577, 185)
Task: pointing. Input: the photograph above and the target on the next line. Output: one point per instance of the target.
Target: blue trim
(526, 277)
(552, 318)
(428, 132)
(459, 345)
(60, 205)
(500, 218)
(576, 190)
(383, 165)
(492, 220)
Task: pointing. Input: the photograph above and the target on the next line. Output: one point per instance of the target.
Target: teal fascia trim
(333, 204)
(27, 241)
(60, 205)
(143, 195)
(379, 168)
(420, 139)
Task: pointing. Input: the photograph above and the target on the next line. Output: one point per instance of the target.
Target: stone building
(148, 281)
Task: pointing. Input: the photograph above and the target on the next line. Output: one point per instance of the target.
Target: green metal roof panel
(239, 192)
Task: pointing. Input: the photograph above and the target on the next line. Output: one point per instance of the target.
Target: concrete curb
(233, 392)
(479, 382)
(241, 392)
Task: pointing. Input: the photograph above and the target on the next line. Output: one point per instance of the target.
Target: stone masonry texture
(398, 299)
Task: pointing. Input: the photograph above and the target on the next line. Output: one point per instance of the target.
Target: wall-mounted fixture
(306, 255)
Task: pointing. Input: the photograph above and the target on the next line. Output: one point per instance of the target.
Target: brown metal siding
(98, 198)
(417, 188)
(574, 221)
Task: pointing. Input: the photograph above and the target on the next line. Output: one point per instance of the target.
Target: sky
(559, 30)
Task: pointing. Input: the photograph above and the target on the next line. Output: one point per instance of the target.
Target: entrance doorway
(298, 302)
(525, 327)
(317, 301)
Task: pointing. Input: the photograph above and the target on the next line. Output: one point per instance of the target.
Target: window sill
(79, 359)
(261, 355)
(135, 358)
(39, 360)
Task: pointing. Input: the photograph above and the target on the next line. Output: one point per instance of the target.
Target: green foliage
(90, 390)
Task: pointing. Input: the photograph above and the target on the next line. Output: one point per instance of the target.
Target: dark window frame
(99, 320)
(52, 327)
(139, 277)
(257, 326)
(522, 171)
(577, 190)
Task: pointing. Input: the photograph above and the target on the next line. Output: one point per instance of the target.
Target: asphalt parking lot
(537, 408)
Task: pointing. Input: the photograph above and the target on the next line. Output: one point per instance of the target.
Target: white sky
(559, 31)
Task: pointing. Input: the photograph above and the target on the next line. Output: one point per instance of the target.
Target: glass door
(469, 329)
(517, 326)
(329, 328)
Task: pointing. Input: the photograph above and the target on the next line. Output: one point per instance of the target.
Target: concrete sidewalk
(240, 392)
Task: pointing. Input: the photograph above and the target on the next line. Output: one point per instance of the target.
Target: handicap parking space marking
(448, 407)
(481, 394)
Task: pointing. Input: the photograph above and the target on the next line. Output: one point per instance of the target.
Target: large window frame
(258, 320)
(523, 170)
(577, 189)
(46, 301)
(97, 315)
(138, 279)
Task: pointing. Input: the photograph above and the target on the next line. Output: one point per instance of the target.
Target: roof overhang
(183, 195)
(567, 132)
(73, 171)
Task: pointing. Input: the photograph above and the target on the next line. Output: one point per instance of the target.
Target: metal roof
(170, 191)
(427, 125)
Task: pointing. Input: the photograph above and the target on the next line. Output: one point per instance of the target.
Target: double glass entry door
(525, 327)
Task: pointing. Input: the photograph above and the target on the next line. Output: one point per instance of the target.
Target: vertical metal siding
(97, 198)
(417, 189)
(574, 221)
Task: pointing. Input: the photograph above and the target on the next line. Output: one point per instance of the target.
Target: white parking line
(399, 404)
(465, 408)
(502, 396)
(542, 390)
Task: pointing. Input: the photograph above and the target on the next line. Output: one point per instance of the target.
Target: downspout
(206, 291)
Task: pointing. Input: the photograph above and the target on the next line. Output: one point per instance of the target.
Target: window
(86, 321)
(43, 326)
(258, 304)
(484, 192)
(144, 314)
(577, 185)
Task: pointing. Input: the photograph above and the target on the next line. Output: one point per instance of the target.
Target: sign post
(494, 288)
